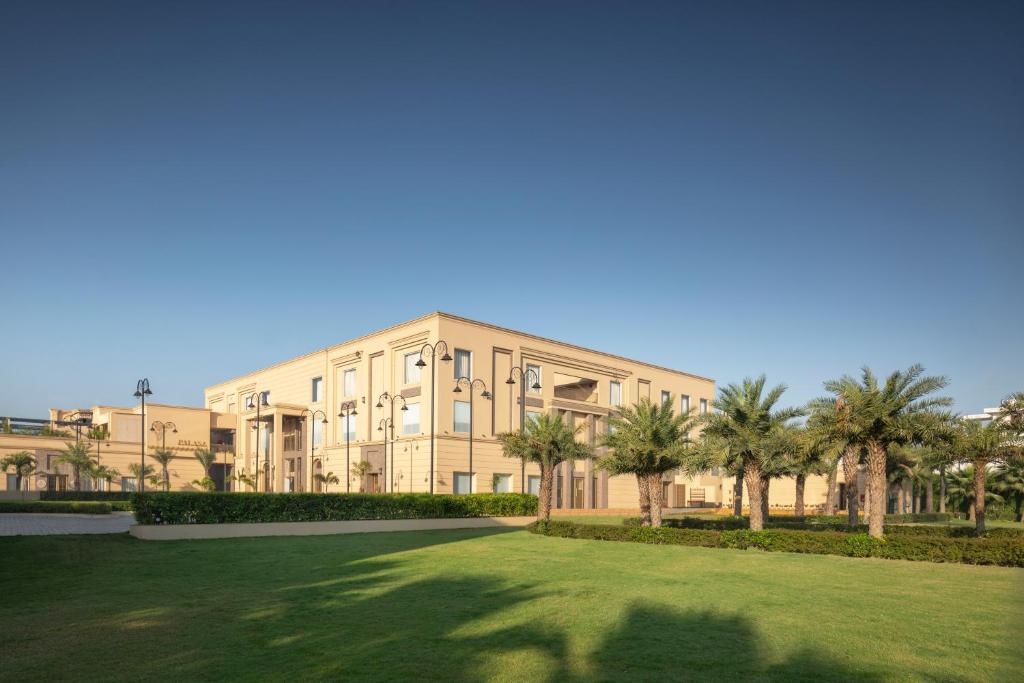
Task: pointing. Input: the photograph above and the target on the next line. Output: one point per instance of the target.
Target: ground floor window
(577, 491)
(533, 485)
(128, 484)
(502, 483)
(461, 482)
(12, 482)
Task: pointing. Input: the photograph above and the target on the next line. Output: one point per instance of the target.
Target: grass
(491, 604)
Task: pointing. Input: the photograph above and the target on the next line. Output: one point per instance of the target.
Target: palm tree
(886, 415)
(1011, 411)
(1010, 485)
(141, 474)
(245, 479)
(982, 445)
(206, 458)
(547, 441)
(327, 479)
(804, 452)
(830, 418)
(76, 455)
(745, 420)
(647, 440)
(961, 488)
(359, 471)
(103, 473)
(163, 457)
(24, 464)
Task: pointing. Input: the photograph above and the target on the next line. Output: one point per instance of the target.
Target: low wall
(179, 532)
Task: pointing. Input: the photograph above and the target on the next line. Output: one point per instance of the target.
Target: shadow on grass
(348, 606)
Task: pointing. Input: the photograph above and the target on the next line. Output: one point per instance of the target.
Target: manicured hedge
(105, 496)
(1005, 551)
(739, 523)
(222, 508)
(78, 507)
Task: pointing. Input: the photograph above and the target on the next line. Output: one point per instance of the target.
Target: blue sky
(189, 191)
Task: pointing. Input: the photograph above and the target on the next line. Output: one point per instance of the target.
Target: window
(412, 371)
(318, 432)
(666, 396)
(12, 482)
(411, 419)
(349, 382)
(533, 484)
(461, 416)
(532, 377)
(128, 484)
(532, 415)
(463, 364)
(684, 404)
(461, 483)
(348, 428)
(315, 393)
(615, 393)
(703, 406)
(502, 483)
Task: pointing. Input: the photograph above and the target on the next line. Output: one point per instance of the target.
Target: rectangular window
(461, 482)
(532, 377)
(412, 371)
(502, 483)
(461, 411)
(666, 396)
(532, 415)
(684, 404)
(615, 393)
(12, 482)
(315, 393)
(463, 364)
(128, 484)
(349, 381)
(348, 428)
(318, 432)
(411, 419)
(533, 484)
(703, 406)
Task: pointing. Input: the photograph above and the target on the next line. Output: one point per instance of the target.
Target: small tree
(103, 473)
(23, 463)
(245, 479)
(547, 441)
(359, 471)
(327, 479)
(76, 455)
(1010, 485)
(163, 457)
(982, 445)
(206, 459)
(141, 474)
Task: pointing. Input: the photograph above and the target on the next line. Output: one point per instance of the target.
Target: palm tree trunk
(917, 498)
(929, 496)
(942, 489)
(752, 476)
(851, 472)
(830, 496)
(737, 494)
(798, 504)
(547, 478)
(645, 499)
(654, 486)
(766, 483)
(876, 487)
(1018, 511)
(979, 498)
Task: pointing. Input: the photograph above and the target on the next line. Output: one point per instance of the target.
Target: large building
(388, 412)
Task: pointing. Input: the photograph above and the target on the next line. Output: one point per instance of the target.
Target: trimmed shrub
(58, 506)
(1006, 551)
(231, 508)
(826, 524)
(105, 496)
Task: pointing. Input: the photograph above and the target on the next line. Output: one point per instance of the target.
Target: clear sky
(189, 191)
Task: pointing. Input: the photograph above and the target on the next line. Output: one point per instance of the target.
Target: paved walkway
(29, 524)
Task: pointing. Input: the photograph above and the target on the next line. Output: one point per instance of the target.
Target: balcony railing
(33, 427)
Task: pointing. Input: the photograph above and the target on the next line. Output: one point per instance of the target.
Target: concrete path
(29, 524)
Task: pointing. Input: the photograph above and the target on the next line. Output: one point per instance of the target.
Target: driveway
(28, 524)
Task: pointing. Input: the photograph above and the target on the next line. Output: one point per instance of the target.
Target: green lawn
(472, 604)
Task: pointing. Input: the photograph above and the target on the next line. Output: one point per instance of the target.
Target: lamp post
(162, 427)
(390, 398)
(259, 398)
(485, 394)
(432, 349)
(387, 424)
(517, 374)
(142, 391)
(348, 411)
(313, 414)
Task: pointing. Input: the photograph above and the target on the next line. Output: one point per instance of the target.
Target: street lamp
(485, 394)
(313, 414)
(162, 427)
(387, 425)
(432, 349)
(142, 391)
(514, 375)
(259, 399)
(390, 398)
(348, 411)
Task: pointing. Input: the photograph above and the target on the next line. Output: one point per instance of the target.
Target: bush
(106, 496)
(78, 507)
(826, 524)
(231, 508)
(1006, 551)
